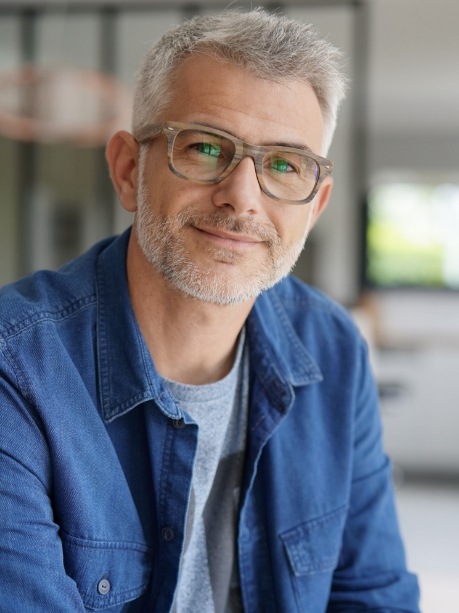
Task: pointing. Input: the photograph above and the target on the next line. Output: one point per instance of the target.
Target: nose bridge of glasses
(244, 150)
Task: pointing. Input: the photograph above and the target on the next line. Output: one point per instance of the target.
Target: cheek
(163, 195)
(159, 181)
(294, 223)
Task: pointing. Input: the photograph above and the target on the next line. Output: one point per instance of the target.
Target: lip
(229, 238)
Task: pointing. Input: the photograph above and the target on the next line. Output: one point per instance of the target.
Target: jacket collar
(272, 335)
(127, 375)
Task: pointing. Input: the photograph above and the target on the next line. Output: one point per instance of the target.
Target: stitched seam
(51, 315)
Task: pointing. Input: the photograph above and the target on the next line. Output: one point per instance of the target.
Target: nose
(240, 190)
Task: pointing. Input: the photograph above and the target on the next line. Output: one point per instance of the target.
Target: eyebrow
(290, 144)
(294, 145)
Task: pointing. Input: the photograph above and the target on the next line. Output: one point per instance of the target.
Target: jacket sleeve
(32, 573)
(371, 573)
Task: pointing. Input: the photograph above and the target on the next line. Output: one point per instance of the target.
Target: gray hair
(270, 46)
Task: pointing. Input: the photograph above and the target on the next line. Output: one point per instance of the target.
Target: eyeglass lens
(205, 156)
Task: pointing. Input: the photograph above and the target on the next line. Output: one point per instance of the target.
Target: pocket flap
(106, 573)
(314, 546)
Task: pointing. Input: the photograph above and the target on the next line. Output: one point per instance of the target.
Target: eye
(207, 149)
(281, 165)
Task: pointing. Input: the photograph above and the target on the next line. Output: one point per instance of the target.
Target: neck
(190, 341)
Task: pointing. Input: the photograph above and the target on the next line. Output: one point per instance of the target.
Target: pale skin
(192, 341)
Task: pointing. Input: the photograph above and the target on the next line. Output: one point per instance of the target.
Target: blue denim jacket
(96, 457)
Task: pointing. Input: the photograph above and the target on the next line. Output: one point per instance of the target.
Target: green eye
(208, 149)
(280, 165)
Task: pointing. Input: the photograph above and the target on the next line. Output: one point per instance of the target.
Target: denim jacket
(96, 457)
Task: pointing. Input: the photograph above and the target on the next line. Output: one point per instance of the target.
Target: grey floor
(429, 519)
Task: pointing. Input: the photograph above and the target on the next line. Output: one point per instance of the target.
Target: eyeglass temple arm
(149, 132)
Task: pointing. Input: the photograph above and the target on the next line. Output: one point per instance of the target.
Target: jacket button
(167, 533)
(103, 587)
(178, 423)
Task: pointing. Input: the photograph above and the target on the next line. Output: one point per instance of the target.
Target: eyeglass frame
(170, 129)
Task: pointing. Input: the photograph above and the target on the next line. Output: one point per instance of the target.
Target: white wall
(414, 126)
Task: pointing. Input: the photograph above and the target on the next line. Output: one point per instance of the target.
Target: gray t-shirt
(208, 579)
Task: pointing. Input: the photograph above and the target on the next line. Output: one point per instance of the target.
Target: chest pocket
(313, 550)
(107, 574)
(314, 546)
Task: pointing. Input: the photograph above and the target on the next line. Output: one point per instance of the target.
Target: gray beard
(161, 243)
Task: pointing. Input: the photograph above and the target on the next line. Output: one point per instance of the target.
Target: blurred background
(387, 247)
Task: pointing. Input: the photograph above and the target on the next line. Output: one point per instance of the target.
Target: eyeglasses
(206, 155)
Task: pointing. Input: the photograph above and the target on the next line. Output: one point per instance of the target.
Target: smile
(229, 239)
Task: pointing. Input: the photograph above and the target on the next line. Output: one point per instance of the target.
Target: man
(182, 427)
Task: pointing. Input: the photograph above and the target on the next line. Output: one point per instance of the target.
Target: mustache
(236, 225)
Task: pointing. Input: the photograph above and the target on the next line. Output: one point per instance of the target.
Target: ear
(321, 200)
(122, 155)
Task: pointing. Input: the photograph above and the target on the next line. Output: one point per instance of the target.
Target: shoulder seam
(60, 313)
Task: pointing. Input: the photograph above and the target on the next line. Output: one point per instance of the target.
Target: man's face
(226, 243)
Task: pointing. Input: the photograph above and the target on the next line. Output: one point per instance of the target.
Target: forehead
(257, 110)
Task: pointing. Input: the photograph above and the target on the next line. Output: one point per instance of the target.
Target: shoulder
(49, 295)
(309, 308)
(296, 318)
(294, 292)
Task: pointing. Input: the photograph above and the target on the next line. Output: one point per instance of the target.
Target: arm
(32, 575)
(371, 573)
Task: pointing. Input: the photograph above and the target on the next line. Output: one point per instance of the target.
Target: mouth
(229, 239)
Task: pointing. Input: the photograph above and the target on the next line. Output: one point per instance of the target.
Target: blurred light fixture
(62, 104)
